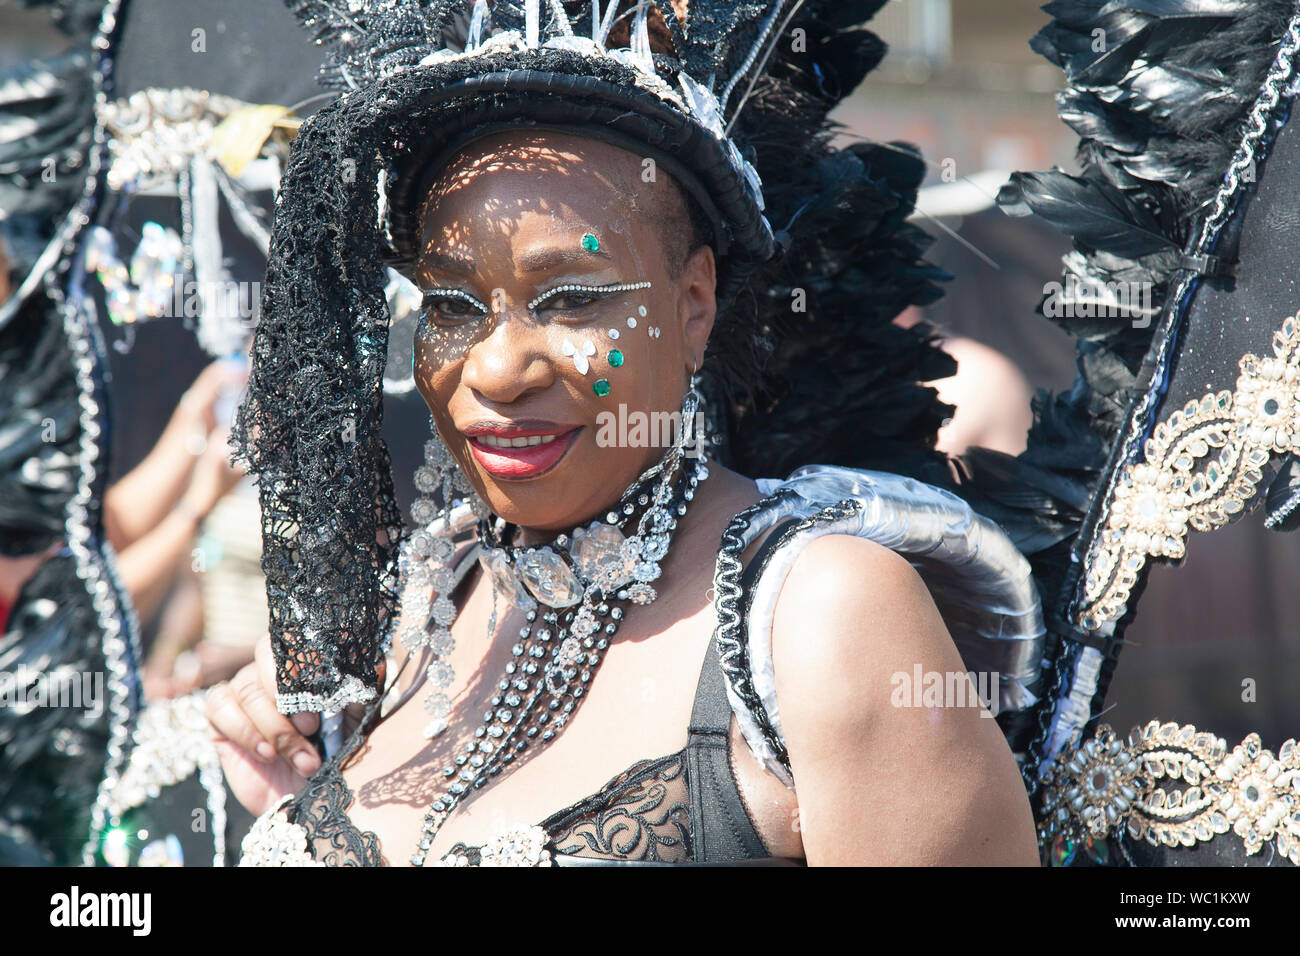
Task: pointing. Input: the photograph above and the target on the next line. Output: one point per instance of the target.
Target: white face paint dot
(567, 348)
(613, 333)
(631, 322)
(588, 348)
(640, 310)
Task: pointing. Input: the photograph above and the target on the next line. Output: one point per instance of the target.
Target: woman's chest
(636, 707)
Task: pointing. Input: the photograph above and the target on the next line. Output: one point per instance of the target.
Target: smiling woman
(609, 652)
(564, 261)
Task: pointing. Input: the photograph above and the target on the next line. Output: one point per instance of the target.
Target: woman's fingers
(305, 722)
(275, 728)
(231, 725)
(242, 712)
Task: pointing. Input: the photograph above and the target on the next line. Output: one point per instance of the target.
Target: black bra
(684, 808)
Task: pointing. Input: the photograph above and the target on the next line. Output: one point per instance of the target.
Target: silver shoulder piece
(980, 582)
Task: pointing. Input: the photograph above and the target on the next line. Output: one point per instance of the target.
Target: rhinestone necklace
(570, 591)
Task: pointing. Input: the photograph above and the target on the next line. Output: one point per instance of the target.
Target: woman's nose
(512, 361)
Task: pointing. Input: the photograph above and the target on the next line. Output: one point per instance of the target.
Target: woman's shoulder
(838, 574)
(850, 613)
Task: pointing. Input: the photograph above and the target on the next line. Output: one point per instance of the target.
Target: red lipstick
(486, 441)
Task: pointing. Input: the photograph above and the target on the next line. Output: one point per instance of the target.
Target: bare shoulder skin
(877, 783)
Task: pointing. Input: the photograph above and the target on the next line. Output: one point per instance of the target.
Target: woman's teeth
(494, 442)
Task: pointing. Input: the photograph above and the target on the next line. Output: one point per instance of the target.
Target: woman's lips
(543, 449)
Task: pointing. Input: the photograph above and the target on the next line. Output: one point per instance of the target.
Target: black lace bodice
(681, 808)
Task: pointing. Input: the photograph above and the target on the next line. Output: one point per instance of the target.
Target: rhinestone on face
(600, 387)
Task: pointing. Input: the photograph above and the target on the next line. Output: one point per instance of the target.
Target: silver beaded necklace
(573, 593)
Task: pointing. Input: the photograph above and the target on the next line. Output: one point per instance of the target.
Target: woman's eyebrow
(448, 262)
(552, 257)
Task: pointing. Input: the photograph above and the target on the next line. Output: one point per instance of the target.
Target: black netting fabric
(310, 427)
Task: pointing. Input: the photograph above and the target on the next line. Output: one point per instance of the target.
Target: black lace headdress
(1181, 290)
(732, 97)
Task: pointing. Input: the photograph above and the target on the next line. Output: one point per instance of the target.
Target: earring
(427, 578)
(693, 440)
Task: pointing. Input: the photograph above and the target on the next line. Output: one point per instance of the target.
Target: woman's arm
(144, 497)
(879, 782)
(150, 564)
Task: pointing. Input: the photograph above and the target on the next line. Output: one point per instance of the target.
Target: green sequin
(590, 242)
(615, 358)
(600, 387)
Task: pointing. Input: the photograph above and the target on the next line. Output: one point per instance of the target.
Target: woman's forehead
(552, 158)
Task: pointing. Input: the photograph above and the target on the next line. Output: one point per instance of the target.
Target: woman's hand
(214, 475)
(196, 414)
(263, 752)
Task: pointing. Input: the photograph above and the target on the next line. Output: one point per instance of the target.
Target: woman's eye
(450, 310)
(571, 301)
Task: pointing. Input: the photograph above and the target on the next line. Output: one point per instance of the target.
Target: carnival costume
(722, 100)
(1035, 562)
(1186, 415)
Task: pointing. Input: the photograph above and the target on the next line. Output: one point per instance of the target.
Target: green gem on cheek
(600, 387)
(590, 242)
(615, 358)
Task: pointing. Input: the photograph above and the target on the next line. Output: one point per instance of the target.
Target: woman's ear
(699, 304)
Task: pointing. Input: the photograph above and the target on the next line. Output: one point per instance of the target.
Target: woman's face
(527, 382)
